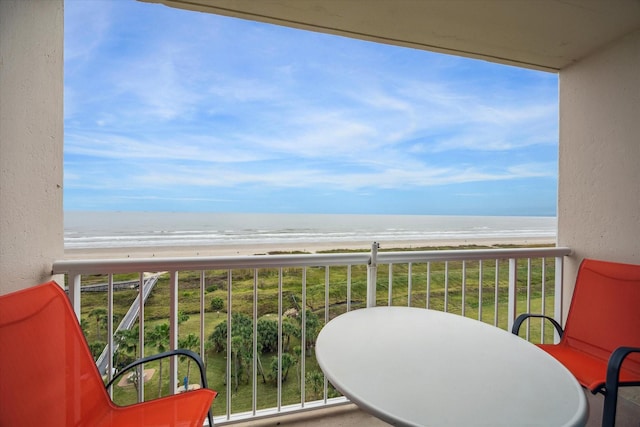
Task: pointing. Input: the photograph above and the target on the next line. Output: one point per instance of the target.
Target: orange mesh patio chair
(600, 343)
(48, 376)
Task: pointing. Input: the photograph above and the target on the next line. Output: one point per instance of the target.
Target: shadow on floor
(627, 412)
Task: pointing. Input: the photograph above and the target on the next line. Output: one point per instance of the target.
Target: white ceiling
(539, 34)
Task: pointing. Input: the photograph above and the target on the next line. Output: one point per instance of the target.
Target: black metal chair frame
(171, 353)
(612, 382)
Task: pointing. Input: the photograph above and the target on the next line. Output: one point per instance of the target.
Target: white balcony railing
(491, 285)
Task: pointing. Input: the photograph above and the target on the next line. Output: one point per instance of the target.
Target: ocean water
(85, 230)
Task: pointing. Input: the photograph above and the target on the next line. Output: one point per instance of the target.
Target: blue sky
(171, 110)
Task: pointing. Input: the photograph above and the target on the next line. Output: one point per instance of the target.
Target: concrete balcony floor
(338, 416)
(628, 414)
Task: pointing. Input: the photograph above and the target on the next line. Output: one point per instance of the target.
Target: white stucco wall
(599, 182)
(31, 141)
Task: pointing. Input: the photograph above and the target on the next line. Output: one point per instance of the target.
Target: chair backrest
(605, 310)
(47, 374)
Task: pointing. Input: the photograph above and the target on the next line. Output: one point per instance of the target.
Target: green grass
(443, 295)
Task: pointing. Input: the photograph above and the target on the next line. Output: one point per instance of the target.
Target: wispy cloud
(229, 105)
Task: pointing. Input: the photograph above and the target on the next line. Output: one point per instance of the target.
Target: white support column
(31, 142)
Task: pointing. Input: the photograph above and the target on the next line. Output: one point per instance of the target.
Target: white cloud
(158, 147)
(222, 103)
(172, 176)
(86, 28)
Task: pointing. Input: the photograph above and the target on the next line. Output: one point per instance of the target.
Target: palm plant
(101, 315)
(190, 342)
(159, 338)
(126, 340)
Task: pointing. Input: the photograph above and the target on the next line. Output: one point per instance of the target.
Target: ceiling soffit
(542, 34)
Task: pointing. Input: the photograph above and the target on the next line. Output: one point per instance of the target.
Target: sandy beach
(261, 249)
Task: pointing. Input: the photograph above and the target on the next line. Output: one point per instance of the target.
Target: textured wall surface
(599, 182)
(31, 141)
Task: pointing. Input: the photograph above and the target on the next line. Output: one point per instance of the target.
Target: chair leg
(610, 404)
(612, 382)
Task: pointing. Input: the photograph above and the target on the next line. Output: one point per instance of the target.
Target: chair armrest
(520, 319)
(612, 382)
(170, 353)
(615, 363)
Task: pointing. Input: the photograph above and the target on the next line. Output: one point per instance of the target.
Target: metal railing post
(372, 274)
(110, 332)
(513, 280)
(558, 289)
(75, 282)
(173, 331)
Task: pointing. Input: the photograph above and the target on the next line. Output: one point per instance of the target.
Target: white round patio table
(420, 367)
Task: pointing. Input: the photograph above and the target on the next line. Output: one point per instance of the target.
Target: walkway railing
(255, 318)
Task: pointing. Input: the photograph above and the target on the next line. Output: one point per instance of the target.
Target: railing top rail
(128, 265)
(470, 254)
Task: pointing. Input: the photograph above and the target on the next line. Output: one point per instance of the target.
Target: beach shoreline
(306, 247)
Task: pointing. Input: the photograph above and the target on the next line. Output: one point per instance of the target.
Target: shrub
(217, 304)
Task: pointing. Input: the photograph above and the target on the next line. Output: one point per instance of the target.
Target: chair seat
(181, 410)
(590, 371)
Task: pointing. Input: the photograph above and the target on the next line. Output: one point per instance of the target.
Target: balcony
(290, 297)
(597, 198)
